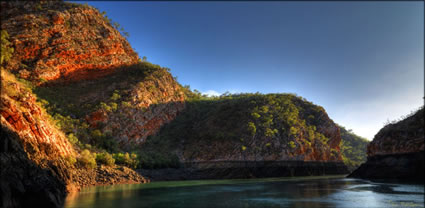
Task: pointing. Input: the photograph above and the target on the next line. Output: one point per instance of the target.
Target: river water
(302, 192)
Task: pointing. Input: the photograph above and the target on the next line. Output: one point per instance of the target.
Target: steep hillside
(353, 148)
(126, 106)
(87, 76)
(39, 164)
(54, 43)
(33, 152)
(56, 39)
(397, 151)
(246, 127)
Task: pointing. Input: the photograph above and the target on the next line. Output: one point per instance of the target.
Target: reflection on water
(300, 192)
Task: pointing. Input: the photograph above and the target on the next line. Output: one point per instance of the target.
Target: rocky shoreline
(408, 167)
(243, 170)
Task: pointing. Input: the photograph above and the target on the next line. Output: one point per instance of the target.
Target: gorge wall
(397, 151)
(54, 42)
(75, 84)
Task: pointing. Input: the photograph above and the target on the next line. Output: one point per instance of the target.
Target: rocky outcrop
(21, 114)
(56, 39)
(397, 151)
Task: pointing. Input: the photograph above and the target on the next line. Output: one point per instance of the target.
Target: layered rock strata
(56, 39)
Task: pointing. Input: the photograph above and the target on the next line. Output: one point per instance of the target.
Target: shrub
(115, 95)
(104, 141)
(70, 159)
(125, 104)
(87, 159)
(73, 139)
(105, 107)
(129, 160)
(292, 144)
(105, 158)
(6, 50)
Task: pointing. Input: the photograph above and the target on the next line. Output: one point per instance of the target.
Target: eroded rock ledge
(245, 169)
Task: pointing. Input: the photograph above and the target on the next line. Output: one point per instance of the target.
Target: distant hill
(353, 148)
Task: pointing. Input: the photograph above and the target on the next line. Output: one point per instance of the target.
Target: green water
(314, 192)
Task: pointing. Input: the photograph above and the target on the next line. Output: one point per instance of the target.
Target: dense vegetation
(353, 148)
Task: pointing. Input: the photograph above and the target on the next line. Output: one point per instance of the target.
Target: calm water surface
(314, 192)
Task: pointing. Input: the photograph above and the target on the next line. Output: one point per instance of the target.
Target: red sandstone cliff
(21, 114)
(55, 39)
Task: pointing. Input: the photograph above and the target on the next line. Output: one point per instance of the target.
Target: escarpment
(59, 40)
(397, 151)
(37, 160)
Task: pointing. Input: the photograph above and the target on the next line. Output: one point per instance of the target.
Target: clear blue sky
(362, 61)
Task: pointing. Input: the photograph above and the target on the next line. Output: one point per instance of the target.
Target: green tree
(6, 49)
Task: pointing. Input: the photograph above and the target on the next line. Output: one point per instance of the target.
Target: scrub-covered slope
(248, 127)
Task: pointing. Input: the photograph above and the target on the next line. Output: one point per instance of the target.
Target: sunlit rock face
(32, 151)
(21, 114)
(54, 39)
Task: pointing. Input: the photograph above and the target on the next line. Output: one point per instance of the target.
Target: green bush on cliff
(105, 158)
(87, 159)
(70, 160)
(127, 159)
(6, 49)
